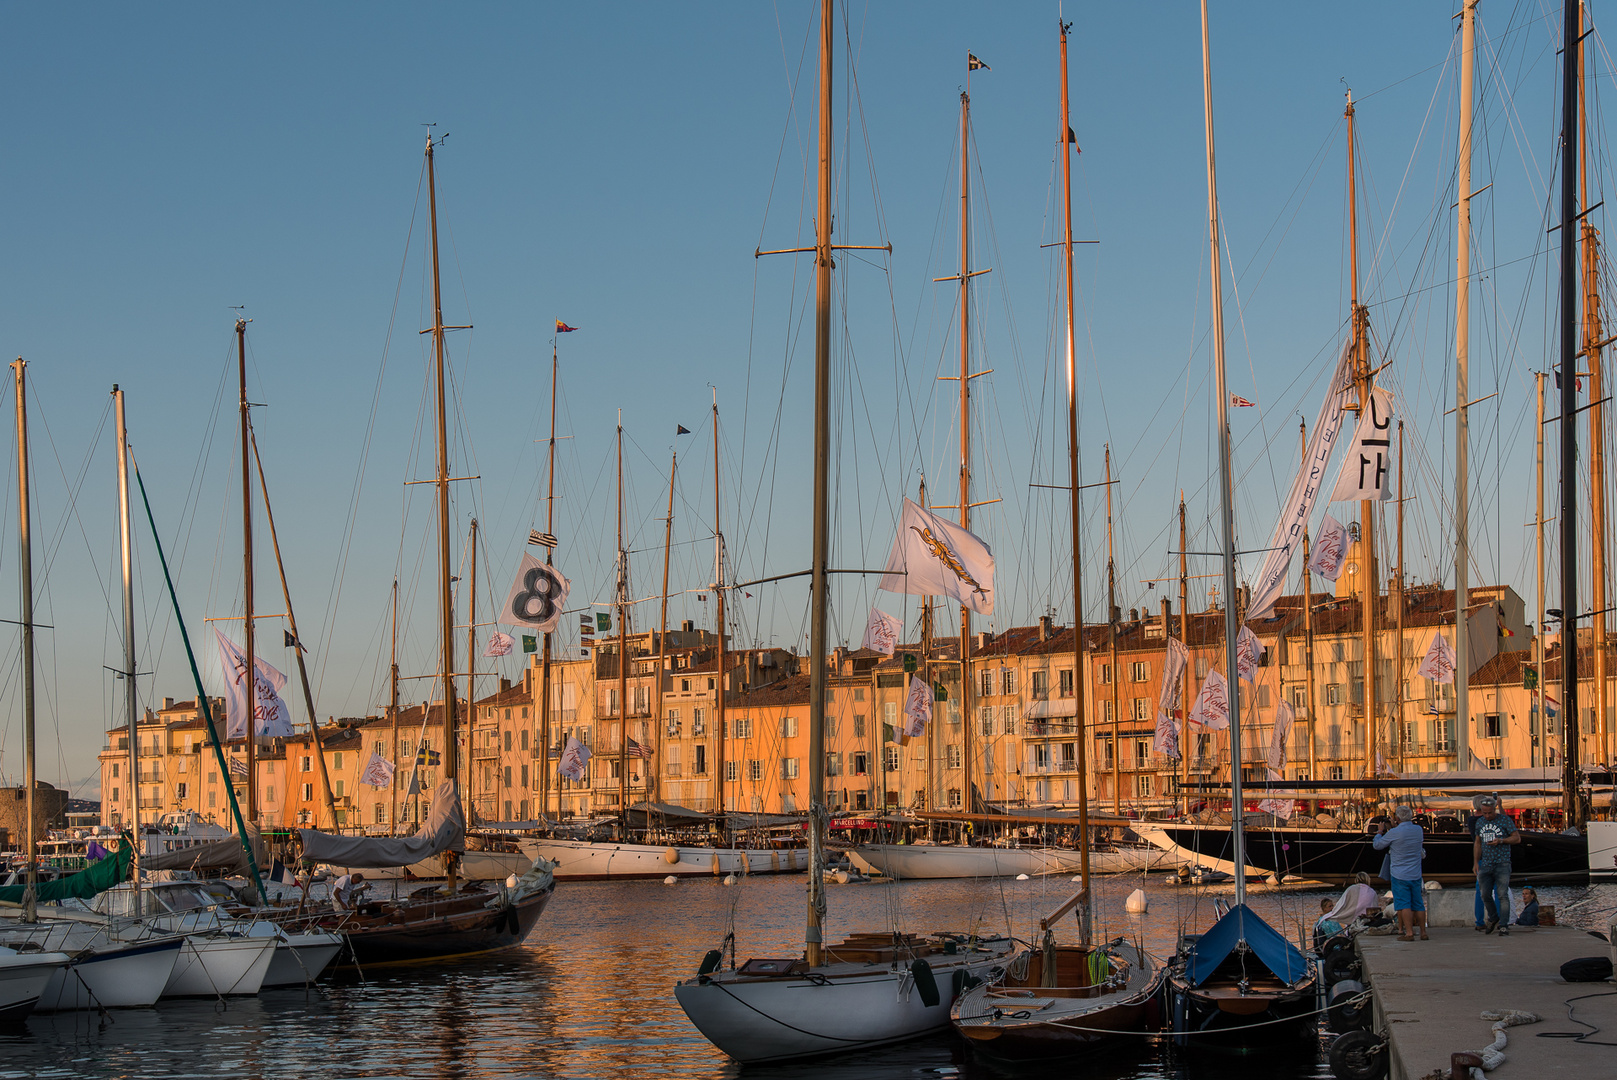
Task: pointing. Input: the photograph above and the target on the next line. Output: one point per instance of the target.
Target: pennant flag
(1577, 380)
(428, 757)
(918, 707)
(238, 767)
(1330, 549)
(681, 429)
(881, 632)
(603, 621)
(281, 875)
(1074, 140)
(1173, 674)
(530, 643)
(1368, 466)
(1242, 403)
(542, 539)
(586, 624)
(574, 759)
(1248, 651)
(378, 772)
(1212, 708)
(1285, 716)
(271, 719)
(94, 852)
(563, 328)
(972, 63)
(499, 644)
(935, 557)
(1440, 661)
(415, 784)
(636, 750)
(537, 596)
(289, 640)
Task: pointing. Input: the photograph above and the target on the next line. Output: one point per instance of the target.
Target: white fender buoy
(670, 880)
(1021, 877)
(511, 882)
(774, 862)
(716, 870)
(671, 856)
(1432, 886)
(1137, 903)
(1273, 879)
(1078, 877)
(841, 877)
(729, 879)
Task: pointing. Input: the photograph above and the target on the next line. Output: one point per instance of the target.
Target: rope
(1494, 1053)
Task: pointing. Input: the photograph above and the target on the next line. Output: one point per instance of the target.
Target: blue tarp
(1241, 923)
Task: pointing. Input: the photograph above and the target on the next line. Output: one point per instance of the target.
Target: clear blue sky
(616, 167)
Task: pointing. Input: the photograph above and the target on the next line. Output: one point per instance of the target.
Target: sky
(172, 168)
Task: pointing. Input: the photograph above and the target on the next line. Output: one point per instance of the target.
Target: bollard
(1461, 1064)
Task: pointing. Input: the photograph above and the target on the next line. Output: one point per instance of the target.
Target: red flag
(563, 328)
(1242, 403)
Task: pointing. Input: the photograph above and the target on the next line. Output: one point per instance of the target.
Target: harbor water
(590, 995)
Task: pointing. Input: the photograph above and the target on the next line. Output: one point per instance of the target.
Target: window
(114, 794)
(1065, 679)
(1106, 713)
(743, 728)
(986, 718)
(308, 793)
(987, 683)
(889, 713)
(336, 761)
(954, 797)
(1041, 756)
(212, 796)
(524, 776)
(953, 757)
(890, 758)
(861, 800)
(673, 721)
(1008, 719)
(269, 794)
(378, 814)
(859, 693)
(788, 768)
(1333, 693)
(336, 788)
(700, 767)
(179, 791)
(698, 721)
(1106, 674)
(732, 770)
(115, 770)
(1493, 727)
(1142, 753)
(1299, 697)
(755, 769)
(1142, 785)
(213, 776)
(508, 736)
(1139, 709)
(1336, 770)
(833, 764)
(1007, 679)
(1201, 667)
(305, 763)
(710, 684)
(788, 727)
(861, 764)
(859, 722)
(1140, 671)
(1041, 684)
(1495, 763)
(684, 686)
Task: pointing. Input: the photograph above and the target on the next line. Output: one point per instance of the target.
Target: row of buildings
(1010, 734)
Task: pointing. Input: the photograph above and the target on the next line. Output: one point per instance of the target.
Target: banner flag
(499, 644)
(1367, 466)
(1212, 708)
(537, 596)
(1248, 651)
(935, 557)
(1439, 663)
(271, 718)
(881, 632)
(1330, 549)
(1285, 716)
(1173, 674)
(918, 707)
(378, 772)
(575, 758)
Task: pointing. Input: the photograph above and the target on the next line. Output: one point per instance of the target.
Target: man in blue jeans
(1404, 843)
(1493, 834)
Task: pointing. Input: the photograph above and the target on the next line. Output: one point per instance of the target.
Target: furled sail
(227, 854)
(444, 830)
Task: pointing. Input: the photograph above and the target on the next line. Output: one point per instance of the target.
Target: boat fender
(1338, 964)
(964, 980)
(1349, 1010)
(1021, 877)
(710, 962)
(1137, 904)
(1359, 1055)
(670, 856)
(512, 923)
(670, 880)
(925, 984)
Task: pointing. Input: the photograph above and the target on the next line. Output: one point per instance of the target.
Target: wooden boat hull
(586, 860)
(474, 866)
(440, 930)
(1219, 1015)
(926, 861)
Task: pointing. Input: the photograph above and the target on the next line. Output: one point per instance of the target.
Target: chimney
(505, 684)
(168, 703)
(983, 638)
(1044, 627)
(1167, 617)
(1134, 614)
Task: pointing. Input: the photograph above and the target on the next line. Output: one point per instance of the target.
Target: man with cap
(1404, 844)
(1492, 835)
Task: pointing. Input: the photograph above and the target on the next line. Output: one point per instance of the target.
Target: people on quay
(1405, 847)
(1493, 834)
(1357, 904)
(1529, 915)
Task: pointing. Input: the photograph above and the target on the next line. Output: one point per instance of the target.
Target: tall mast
(1226, 487)
(1398, 667)
(623, 653)
(662, 620)
(1363, 379)
(818, 593)
(1571, 798)
(126, 567)
(292, 622)
(1072, 483)
(718, 613)
(934, 782)
(25, 565)
(250, 674)
(1184, 639)
(1308, 632)
(550, 555)
(471, 628)
(446, 601)
(392, 704)
(1593, 344)
(1462, 399)
(1538, 534)
(965, 414)
(1111, 626)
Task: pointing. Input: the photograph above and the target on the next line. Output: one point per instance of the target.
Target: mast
(1398, 667)
(1226, 485)
(965, 415)
(1462, 399)
(1593, 344)
(471, 635)
(1184, 639)
(718, 614)
(1538, 533)
(623, 653)
(126, 567)
(250, 673)
(1072, 482)
(818, 594)
(25, 564)
(297, 649)
(1571, 798)
(1111, 624)
(1308, 635)
(550, 556)
(1363, 378)
(934, 782)
(392, 705)
(662, 621)
(446, 601)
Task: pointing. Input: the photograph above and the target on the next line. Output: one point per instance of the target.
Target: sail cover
(444, 830)
(226, 854)
(1239, 924)
(94, 879)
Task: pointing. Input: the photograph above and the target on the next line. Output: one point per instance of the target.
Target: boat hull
(301, 956)
(835, 1009)
(442, 931)
(222, 965)
(1219, 1016)
(116, 977)
(473, 866)
(584, 860)
(24, 978)
(924, 861)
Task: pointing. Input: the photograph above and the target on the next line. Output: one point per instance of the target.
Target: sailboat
(1058, 999)
(871, 989)
(1241, 980)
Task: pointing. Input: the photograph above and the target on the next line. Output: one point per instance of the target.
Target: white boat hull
(1602, 851)
(584, 860)
(118, 976)
(1157, 838)
(915, 861)
(301, 957)
(220, 966)
(23, 979)
(844, 1007)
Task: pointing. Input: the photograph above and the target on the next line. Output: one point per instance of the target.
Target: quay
(1429, 997)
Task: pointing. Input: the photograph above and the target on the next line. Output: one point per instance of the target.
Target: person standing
(1405, 845)
(1493, 834)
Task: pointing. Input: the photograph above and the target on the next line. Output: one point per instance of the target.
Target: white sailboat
(872, 989)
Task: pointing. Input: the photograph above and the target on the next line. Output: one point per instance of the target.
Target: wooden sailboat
(1060, 999)
(1241, 980)
(871, 989)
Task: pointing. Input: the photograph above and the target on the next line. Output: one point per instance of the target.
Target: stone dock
(1429, 997)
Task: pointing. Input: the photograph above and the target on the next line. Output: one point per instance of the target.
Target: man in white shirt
(346, 889)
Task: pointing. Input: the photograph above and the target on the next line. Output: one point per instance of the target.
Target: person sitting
(1529, 915)
(1327, 927)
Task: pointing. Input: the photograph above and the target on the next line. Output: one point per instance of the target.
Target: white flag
(1367, 466)
(1439, 663)
(271, 719)
(1248, 651)
(1173, 674)
(917, 707)
(934, 557)
(1330, 549)
(378, 772)
(1305, 487)
(537, 596)
(574, 758)
(1212, 708)
(881, 632)
(1284, 718)
(1280, 808)
(499, 644)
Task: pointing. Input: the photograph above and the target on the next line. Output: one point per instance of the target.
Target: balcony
(1430, 748)
(1045, 728)
(485, 753)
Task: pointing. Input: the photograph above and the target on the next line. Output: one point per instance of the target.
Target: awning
(665, 814)
(1042, 710)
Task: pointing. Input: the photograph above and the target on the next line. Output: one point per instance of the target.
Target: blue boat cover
(1241, 923)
